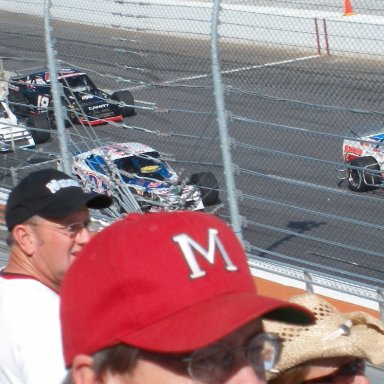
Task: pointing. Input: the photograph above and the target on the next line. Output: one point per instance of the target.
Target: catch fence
(262, 97)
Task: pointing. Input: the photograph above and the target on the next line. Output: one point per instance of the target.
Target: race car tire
(360, 180)
(126, 98)
(18, 104)
(42, 132)
(208, 185)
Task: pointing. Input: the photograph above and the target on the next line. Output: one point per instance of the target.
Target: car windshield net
(75, 84)
(148, 162)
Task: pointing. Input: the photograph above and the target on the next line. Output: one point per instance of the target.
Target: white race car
(14, 135)
(147, 175)
(364, 162)
(11, 133)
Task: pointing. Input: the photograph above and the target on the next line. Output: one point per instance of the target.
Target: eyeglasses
(214, 363)
(351, 368)
(72, 229)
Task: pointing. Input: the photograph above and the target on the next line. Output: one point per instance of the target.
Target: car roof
(118, 150)
(45, 75)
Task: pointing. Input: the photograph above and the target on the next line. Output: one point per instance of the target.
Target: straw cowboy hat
(335, 334)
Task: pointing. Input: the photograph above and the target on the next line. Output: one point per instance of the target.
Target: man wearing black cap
(47, 218)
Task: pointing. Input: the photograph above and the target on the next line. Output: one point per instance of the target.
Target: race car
(364, 162)
(147, 175)
(30, 95)
(15, 135)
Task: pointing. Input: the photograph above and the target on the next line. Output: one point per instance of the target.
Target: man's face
(55, 247)
(165, 371)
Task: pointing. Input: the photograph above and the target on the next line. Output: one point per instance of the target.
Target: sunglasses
(72, 230)
(351, 368)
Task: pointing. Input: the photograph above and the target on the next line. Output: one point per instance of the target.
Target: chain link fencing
(260, 94)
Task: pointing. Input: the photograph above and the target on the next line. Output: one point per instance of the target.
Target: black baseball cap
(49, 193)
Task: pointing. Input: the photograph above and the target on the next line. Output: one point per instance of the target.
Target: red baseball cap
(168, 282)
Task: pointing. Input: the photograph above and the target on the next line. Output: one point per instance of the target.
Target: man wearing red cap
(167, 298)
(47, 218)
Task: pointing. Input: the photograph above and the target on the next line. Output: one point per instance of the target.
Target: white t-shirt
(30, 333)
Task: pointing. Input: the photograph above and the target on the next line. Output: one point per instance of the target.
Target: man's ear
(82, 372)
(25, 238)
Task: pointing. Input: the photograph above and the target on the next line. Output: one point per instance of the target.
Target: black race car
(84, 102)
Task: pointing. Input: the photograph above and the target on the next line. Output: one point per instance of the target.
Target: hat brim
(98, 201)
(64, 207)
(208, 321)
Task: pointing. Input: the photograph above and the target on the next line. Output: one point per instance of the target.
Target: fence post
(13, 176)
(308, 281)
(55, 89)
(326, 36)
(380, 300)
(222, 124)
(317, 36)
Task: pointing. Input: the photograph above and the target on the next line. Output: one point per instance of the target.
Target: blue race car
(147, 175)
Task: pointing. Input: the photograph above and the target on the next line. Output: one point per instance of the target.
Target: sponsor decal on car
(353, 150)
(92, 107)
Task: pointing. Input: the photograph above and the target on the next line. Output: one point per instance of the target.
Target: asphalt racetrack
(283, 195)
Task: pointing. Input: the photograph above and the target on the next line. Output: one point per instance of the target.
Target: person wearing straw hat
(167, 298)
(333, 350)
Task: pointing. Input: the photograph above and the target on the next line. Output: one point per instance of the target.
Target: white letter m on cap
(188, 245)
